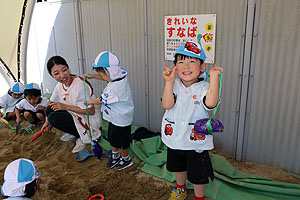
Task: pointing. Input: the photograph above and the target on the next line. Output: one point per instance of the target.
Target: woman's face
(61, 74)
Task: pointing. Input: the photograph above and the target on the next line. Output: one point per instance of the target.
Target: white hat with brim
(17, 88)
(17, 175)
(111, 63)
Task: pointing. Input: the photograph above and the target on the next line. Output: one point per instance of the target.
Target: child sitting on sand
(10, 99)
(21, 178)
(33, 105)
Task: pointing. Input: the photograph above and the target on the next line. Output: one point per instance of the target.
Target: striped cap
(31, 86)
(110, 62)
(17, 88)
(17, 175)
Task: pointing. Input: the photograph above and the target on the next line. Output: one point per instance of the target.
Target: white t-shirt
(19, 198)
(8, 103)
(25, 105)
(178, 122)
(119, 109)
(74, 95)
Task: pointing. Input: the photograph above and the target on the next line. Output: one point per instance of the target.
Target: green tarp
(228, 184)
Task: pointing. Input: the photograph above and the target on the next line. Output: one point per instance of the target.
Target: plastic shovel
(83, 155)
(5, 121)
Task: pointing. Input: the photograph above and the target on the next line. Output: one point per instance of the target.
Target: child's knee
(41, 116)
(27, 115)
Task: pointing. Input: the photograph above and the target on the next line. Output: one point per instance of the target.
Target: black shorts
(197, 165)
(33, 114)
(119, 137)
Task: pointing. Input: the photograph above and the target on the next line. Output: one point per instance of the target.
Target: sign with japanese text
(183, 28)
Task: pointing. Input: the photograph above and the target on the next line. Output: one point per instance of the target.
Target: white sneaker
(79, 146)
(31, 125)
(67, 137)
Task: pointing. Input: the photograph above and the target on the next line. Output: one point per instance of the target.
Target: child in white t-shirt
(32, 106)
(117, 107)
(10, 99)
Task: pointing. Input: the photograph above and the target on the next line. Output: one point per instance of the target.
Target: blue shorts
(197, 165)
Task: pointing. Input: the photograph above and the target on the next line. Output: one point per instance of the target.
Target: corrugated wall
(272, 131)
(260, 110)
(118, 26)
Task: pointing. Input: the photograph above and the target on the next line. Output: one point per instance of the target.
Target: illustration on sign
(183, 28)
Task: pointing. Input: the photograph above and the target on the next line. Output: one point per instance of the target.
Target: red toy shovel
(38, 134)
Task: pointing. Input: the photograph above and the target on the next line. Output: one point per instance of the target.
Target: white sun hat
(17, 88)
(110, 62)
(17, 175)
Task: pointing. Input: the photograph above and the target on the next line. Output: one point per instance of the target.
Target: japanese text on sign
(179, 29)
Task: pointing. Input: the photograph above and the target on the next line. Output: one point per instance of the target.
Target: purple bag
(200, 127)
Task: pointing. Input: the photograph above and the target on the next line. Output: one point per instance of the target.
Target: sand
(65, 178)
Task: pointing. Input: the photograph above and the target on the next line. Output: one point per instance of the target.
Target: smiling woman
(66, 109)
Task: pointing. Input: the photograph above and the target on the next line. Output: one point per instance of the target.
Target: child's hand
(169, 74)
(47, 126)
(18, 120)
(41, 108)
(87, 75)
(216, 71)
(88, 102)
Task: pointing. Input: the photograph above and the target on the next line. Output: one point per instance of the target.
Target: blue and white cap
(17, 175)
(31, 86)
(17, 88)
(192, 49)
(110, 62)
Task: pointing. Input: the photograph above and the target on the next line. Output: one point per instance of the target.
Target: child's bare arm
(168, 100)
(93, 76)
(18, 116)
(94, 101)
(212, 94)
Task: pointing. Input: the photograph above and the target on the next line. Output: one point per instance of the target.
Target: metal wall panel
(127, 41)
(229, 44)
(274, 110)
(95, 35)
(117, 26)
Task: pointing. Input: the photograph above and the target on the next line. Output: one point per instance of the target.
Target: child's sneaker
(177, 195)
(31, 125)
(112, 162)
(122, 164)
(79, 146)
(67, 137)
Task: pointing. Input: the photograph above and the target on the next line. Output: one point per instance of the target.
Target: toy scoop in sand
(5, 121)
(83, 155)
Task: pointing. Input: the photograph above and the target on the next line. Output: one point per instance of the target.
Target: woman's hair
(56, 60)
